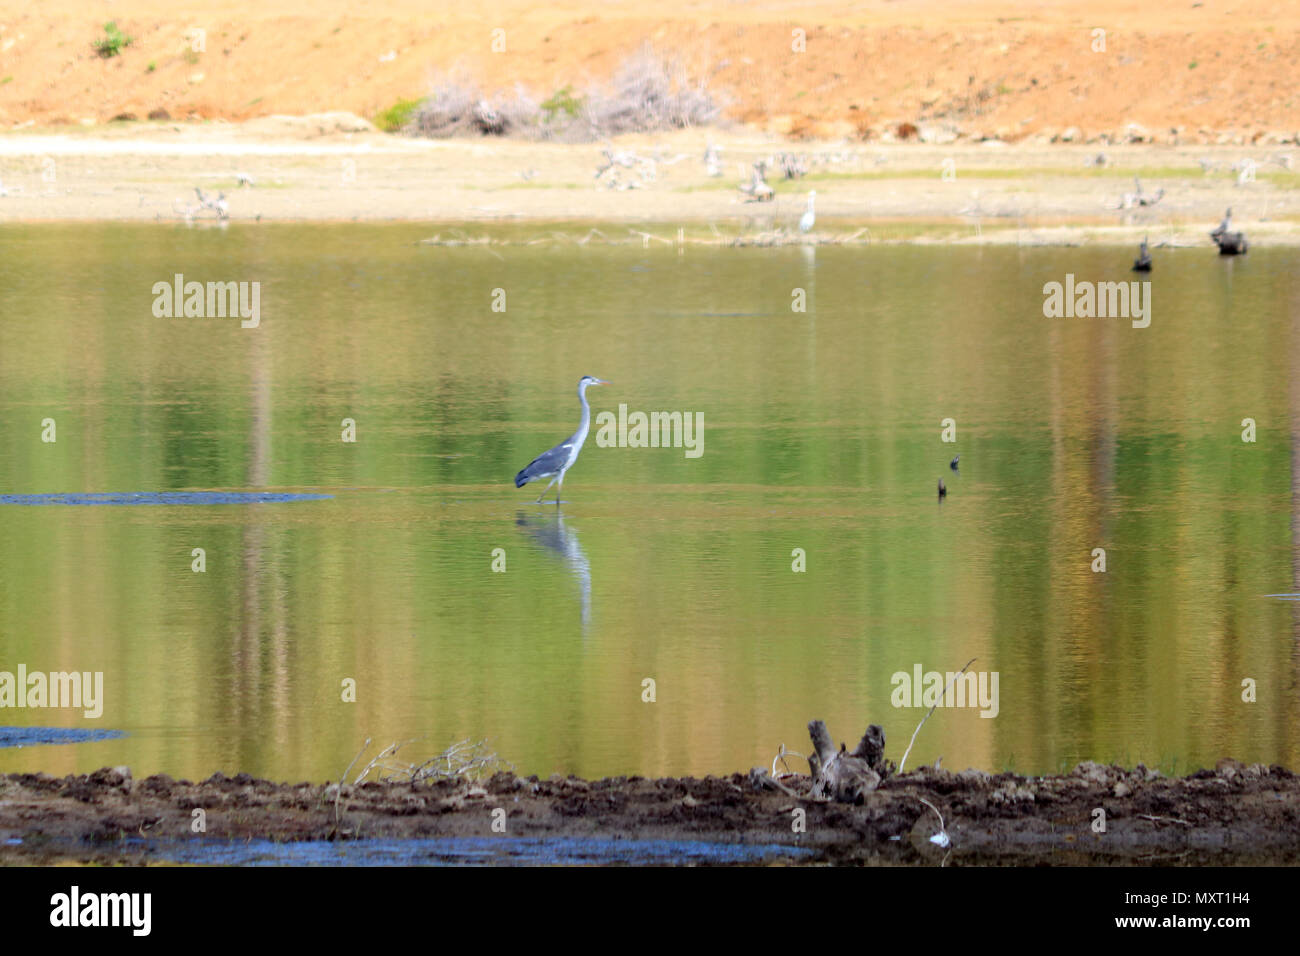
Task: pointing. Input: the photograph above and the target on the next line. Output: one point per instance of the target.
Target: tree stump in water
(847, 777)
(1232, 243)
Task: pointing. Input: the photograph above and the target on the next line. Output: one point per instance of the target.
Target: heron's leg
(560, 479)
(543, 494)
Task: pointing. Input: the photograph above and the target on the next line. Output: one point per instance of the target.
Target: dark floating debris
(162, 498)
(1143, 262)
(1232, 244)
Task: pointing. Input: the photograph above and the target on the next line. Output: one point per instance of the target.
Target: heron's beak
(603, 382)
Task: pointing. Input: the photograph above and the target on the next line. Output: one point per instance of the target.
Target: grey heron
(808, 218)
(943, 490)
(953, 464)
(554, 463)
(1143, 262)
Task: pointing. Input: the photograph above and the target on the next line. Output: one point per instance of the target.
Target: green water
(822, 433)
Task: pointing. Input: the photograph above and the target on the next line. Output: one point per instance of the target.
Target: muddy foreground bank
(1235, 814)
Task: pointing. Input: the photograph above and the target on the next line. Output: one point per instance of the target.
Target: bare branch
(902, 762)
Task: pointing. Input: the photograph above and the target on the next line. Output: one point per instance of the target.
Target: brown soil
(1234, 814)
(992, 66)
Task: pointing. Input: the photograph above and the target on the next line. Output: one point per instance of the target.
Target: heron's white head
(591, 380)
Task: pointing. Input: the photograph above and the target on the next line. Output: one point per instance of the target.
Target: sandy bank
(317, 170)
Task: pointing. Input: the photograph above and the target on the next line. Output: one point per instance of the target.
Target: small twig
(339, 792)
(781, 757)
(927, 716)
(386, 752)
(936, 812)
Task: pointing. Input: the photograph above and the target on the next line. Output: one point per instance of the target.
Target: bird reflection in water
(552, 533)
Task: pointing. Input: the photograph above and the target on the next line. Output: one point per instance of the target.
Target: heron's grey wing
(544, 465)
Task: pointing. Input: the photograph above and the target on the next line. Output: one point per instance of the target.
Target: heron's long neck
(585, 424)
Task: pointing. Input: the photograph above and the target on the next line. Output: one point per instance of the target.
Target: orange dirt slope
(994, 66)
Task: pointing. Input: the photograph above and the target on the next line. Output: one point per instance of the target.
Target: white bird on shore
(711, 162)
(807, 220)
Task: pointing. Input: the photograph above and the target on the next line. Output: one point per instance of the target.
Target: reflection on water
(550, 532)
(824, 439)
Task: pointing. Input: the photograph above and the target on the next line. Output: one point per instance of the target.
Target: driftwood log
(842, 776)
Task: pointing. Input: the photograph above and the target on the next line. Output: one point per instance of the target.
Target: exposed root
(781, 755)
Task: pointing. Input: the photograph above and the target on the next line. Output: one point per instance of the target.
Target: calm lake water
(822, 432)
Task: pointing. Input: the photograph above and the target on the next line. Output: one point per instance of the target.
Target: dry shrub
(648, 93)
(457, 107)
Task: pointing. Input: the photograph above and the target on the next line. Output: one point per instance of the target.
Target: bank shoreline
(335, 170)
(1094, 815)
